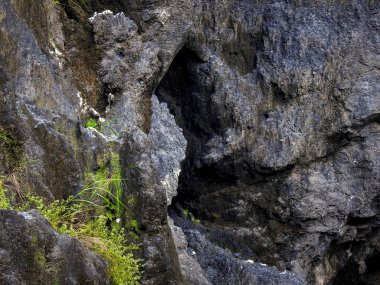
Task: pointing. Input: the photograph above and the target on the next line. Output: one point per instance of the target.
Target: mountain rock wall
(260, 119)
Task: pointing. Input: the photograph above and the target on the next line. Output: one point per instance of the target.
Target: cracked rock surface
(248, 130)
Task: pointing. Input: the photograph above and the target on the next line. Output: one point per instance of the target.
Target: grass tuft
(93, 216)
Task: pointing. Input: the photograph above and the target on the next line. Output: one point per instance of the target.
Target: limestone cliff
(258, 118)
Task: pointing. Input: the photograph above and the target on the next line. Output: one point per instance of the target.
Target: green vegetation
(93, 216)
(12, 149)
(108, 125)
(75, 9)
(92, 123)
(186, 213)
(5, 202)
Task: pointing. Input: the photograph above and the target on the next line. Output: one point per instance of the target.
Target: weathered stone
(278, 102)
(32, 252)
(153, 178)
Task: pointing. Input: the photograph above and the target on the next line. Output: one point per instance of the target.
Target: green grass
(75, 217)
(5, 201)
(93, 216)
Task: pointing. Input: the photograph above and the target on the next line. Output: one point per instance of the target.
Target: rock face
(203, 262)
(282, 163)
(259, 118)
(32, 252)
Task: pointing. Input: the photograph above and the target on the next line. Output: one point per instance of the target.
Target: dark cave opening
(208, 190)
(187, 89)
(212, 191)
(353, 273)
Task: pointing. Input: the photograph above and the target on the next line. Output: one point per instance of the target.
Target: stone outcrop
(32, 252)
(259, 118)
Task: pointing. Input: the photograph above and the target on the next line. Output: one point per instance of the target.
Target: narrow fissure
(187, 89)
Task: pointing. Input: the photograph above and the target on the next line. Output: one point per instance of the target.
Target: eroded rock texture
(32, 252)
(260, 118)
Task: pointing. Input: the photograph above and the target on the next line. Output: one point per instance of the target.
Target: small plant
(134, 228)
(5, 202)
(107, 184)
(186, 213)
(111, 244)
(92, 123)
(108, 126)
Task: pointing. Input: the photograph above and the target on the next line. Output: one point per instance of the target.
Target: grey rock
(275, 128)
(153, 178)
(168, 148)
(32, 252)
(40, 94)
(191, 270)
(153, 145)
(222, 267)
(253, 122)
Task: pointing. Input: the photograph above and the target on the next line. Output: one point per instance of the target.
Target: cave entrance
(209, 190)
(351, 272)
(187, 88)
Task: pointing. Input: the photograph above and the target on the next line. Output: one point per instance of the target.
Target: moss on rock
(11, 149)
